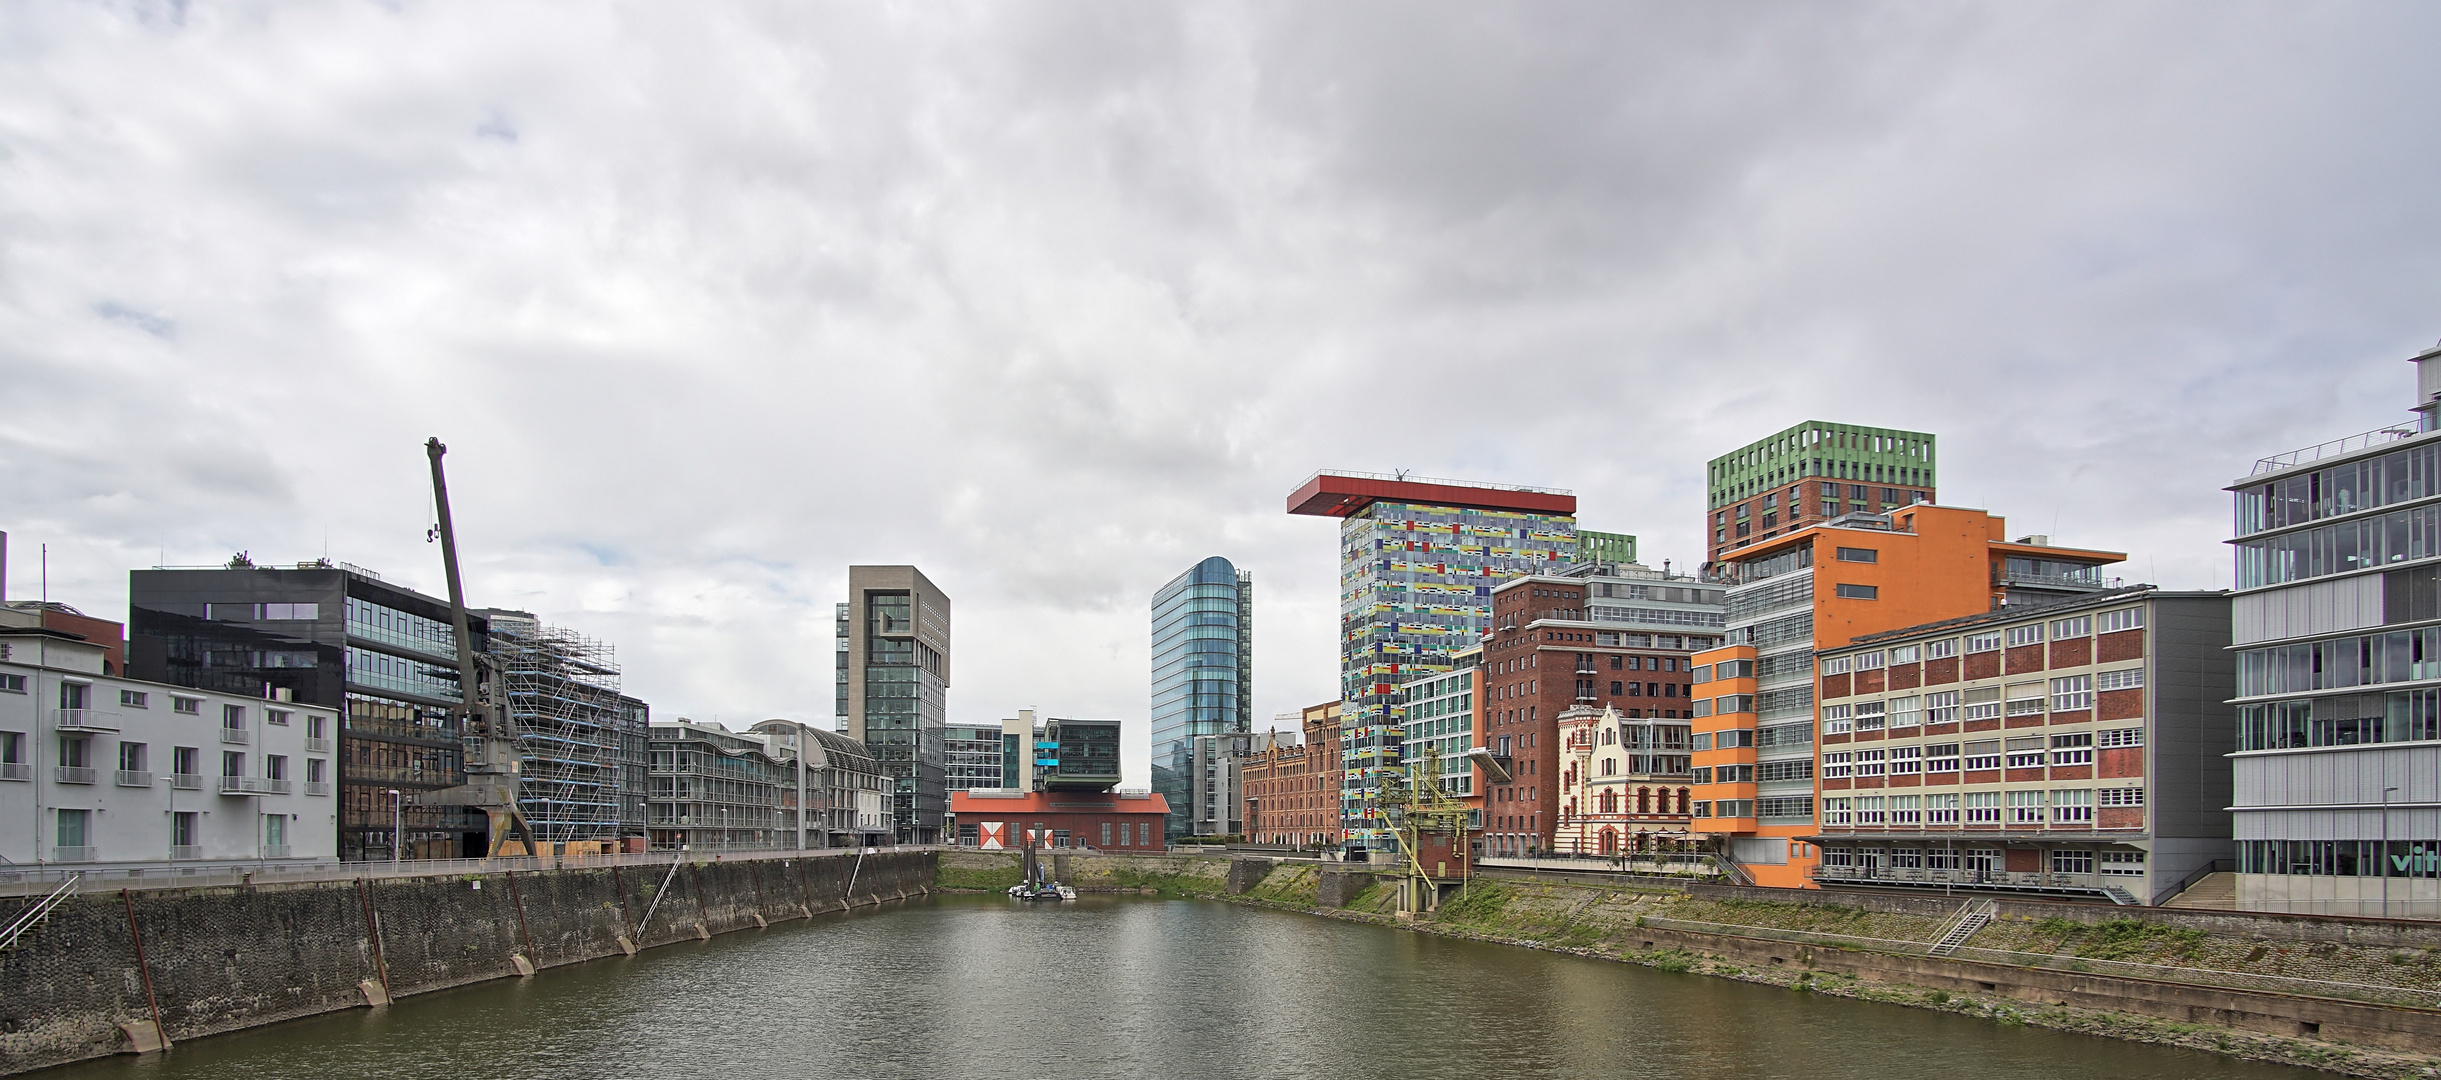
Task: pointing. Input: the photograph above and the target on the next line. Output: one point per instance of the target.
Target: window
(1983, 808)
(2127, 679)
(1906, 760)
(233, 716)
(1869, 716)
(2072, 862)
(1858, 592)
(1906, 712)
(1982, 703)
(2072, 693)
(186, 705)
(1906, 654)
(131, 699)
(1869, 809)
(1800, 769)
(1906, 810)
(2080, 626)
(1939, 650)
(275, 766)
(2026, 699)
(1835, 719)
(1837, 665)
(276, 716)
(1941, 757)
(2029, 634)
(1864, 555)
(2122, 619)
(1983, 755)
(316, 770)
(1941, 810)
(14, 684)
(2025, 808)
(1838, 765)
(2026, 752)
(72, 831)
(131, 757)
(232, 763)
(1868, 763)
(1976, 643)
(1785, 806)
(1941, 708)
(12, 752)
(2122, 796)
(2123, 864)
(186, 761)
(2072, 749)
(1105, 834)
(1869, 661)
(2109, 738)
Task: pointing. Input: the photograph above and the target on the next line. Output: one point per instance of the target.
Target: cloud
(1055, 299)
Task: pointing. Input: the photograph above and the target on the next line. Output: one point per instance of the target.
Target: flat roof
(1003, 801)
(1343, 494)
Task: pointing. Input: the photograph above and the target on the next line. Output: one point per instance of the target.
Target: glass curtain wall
(1203, 674)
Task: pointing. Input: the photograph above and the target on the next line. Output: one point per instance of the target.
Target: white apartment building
(98, 771)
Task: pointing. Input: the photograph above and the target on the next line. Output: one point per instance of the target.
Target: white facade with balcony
(98, 771)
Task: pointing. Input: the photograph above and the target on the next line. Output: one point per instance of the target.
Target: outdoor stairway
(1976, 915)
(2120, 896)
(2218, 891)
(36, 912)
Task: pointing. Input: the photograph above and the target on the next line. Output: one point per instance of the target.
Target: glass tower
(894, 649)
(1203, 678)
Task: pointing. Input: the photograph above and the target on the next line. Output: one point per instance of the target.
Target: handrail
(38, 910)
(2319, 451)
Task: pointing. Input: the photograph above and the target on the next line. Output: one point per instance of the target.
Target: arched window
(1644, 800)
(1610, 842)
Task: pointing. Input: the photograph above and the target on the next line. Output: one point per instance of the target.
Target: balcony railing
(187, 781)
(75, 720)
(314, 788)
(186, 851)
(133, 778)
(16, 770)
(236, 735)
(2334, 448)
(2003, 878)
(254, 785)
(275, 851)
(317, 746)
(70, 774)
(85, 853)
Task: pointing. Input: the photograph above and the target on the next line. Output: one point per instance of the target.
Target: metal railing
(186, 851)
(70, 774)
(2334, 448)
(1404, 478)
(313, 788)
(16, 770)
(254, 785)
(73, 720)
(133, 778)
(187, 781)
(237, 736)
(317, 746)
(275, 851)
(82, 853)
(24, 880)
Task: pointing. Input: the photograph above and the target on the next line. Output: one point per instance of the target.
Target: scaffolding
(582, 745)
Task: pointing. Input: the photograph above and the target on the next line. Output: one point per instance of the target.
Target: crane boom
(489, 747)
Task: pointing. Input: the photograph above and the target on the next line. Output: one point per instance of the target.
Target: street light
(398, 826)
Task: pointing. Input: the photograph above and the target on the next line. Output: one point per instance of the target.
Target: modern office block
(1202, 683)
(2337, 625)
(893, 636)
(1811, 473)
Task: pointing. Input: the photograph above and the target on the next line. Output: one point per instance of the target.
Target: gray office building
(2337, 626)
(893, 665)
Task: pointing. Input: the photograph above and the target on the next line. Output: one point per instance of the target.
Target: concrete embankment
(1786, 940)
(107, 971)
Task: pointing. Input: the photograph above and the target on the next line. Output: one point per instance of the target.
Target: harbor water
(972, 986)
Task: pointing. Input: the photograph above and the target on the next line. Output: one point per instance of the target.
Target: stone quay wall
(111, 972)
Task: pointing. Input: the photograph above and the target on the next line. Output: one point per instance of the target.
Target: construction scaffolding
(583, 747)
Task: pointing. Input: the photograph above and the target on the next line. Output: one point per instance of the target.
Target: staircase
(2120, 896)
(36, 912)
(2216, 892)
(1974, 916)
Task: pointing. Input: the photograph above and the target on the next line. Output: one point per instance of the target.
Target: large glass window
(2398, 536)
(2299, 497)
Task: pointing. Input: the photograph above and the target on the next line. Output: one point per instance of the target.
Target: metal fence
(22, 881)
(2194, 976)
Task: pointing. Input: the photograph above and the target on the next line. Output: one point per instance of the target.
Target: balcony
(75, 721)
(132, 778)
(70, 774)
(254, 785)
(186, 781)
(16, 770)
(86, 853)
(236, 735)
(317, 746)
(312, 788)
(186, 851)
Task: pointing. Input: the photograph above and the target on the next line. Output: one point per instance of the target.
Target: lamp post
(398, 826)
(2384, 864)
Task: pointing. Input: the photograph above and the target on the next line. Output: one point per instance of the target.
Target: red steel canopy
(1328, 494)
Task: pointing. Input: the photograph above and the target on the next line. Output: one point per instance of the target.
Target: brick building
(1615, 636)
(1812, 473)
(1101, 820)
(1292, 789)
(1821, 588)
(2075, 749)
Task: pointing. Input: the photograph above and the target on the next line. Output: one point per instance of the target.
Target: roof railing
(1405, 478)
(2334, 448)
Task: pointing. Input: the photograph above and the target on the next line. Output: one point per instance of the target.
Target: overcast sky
(711, 300)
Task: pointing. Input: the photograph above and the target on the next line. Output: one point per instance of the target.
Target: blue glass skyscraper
(1203, 683)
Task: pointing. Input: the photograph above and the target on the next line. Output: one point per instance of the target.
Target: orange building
(1756, 757)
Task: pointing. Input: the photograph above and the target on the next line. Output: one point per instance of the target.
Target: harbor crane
(1428, 825)
(488, 746)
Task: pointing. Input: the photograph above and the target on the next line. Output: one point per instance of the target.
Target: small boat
(1036, 885)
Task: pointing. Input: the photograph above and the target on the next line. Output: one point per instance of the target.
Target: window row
(2057, 806)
